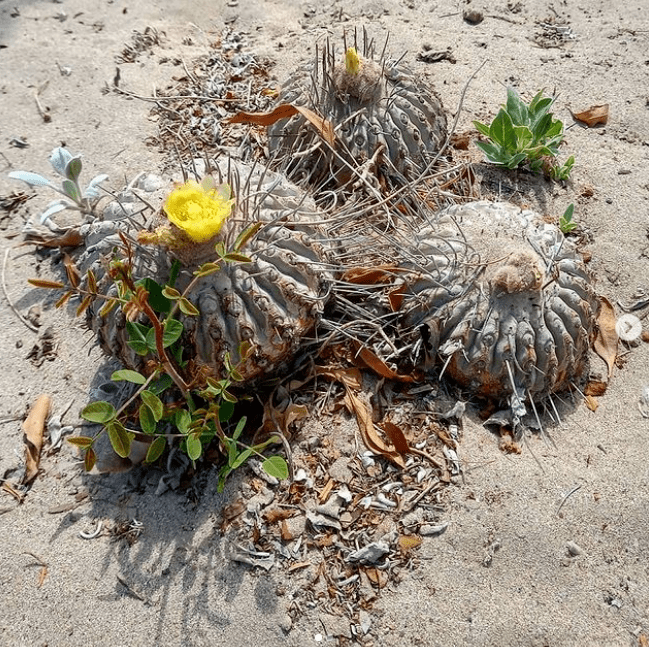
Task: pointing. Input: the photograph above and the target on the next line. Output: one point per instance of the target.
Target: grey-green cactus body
(383, 108)
(272, 301)
(524, 326)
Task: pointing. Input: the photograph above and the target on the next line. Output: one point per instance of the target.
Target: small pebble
(574, 549)
(473, 16)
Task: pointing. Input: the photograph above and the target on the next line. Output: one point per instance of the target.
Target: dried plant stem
(4, 290)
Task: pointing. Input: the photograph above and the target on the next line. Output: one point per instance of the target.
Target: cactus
(383, 115)
(272, 301)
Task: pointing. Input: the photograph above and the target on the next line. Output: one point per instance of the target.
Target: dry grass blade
(372, 361)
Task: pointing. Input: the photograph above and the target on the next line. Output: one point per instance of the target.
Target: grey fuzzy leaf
(33, 179)
(59, 159)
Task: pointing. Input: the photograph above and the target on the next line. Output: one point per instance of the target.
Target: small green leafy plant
(566, 223)
(69, 167)
(524, 134)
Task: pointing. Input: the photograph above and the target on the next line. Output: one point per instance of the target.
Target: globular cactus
(525, 325)
(272, 301)
(377, 107)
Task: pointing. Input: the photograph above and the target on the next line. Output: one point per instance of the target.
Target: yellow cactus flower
(352, 61)
(199, 209)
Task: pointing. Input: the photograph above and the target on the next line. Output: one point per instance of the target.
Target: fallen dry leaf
(286, 111)
(397, 437)
(395, 298)
(596, 388)
(372, 361)
(376, 576)
(326, 491)
(71, 238)
(41, 576)
(71, 271)
(370, 275)
(591, 403)
(277, 514)
(34, 427)
(606, 341)
(408, 542)
(371, 438)
(592, 116)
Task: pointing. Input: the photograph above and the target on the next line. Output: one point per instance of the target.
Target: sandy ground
(502, 573)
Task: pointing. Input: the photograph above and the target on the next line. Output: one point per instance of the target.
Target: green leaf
(219, 248)
(182, 420)
(155, 450)
(245, 236)
(494, 153)
(239, 428)
(540, 127)
(89, 459)
(126, 375)
(567, 215)
(228, 397)
(187, 307)
(157, 300)
(173, 329)
(235, 257)
(171, 293)
(555, 129)
(137, 334)
(482, 128)
(232, 450)
(523, 137)
(173, 273)
(101, 412)
(81, 441)
(207, 268)
(540, 106)
(70, 189)
(120, 438)
(161, 384)
(147, 419)
(515, 160)
(150, 341)
(194, 446)
(276, 466)
(154, 403)
(501, 131)
(226, 410)
(516, 109)
(73, 169)
(241, 459)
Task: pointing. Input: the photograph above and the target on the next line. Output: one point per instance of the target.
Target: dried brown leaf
(371, 438)
(591, 403)
(370, 275)
(408, 542)
(49, 285)
(298, 565)
(71, 238)
(397, 437)
(71, 270)
(41, 576)
(378, 577)
(326, 490)
(286, 111)
(596, 388)
(349, 377)
(593, 116)
(395, 298)
(34, 427)
(606, 341)
(278, 514)
(372, 361)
